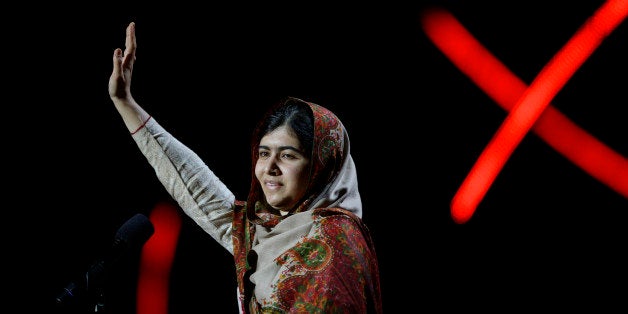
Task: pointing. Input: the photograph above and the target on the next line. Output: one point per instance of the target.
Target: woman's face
(282, 168)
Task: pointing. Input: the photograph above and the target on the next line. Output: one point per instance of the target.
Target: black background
(546, 235)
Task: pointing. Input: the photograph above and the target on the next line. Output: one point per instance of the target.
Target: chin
(280, 207)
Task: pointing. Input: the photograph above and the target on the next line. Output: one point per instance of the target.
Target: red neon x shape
(529, 106)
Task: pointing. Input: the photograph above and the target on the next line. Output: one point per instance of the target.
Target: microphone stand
(85, 294)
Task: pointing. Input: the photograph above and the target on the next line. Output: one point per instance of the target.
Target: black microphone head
(131, 235)
(136, 231)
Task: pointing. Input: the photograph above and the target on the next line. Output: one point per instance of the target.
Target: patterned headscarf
(333, 181)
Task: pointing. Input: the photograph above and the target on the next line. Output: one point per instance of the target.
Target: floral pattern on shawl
(328, 135)
(310, 283)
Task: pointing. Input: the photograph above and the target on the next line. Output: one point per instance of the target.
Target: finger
(131, 45)
(117, 60)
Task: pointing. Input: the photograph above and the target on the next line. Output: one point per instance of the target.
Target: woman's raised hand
(120, 80)
(132, 114)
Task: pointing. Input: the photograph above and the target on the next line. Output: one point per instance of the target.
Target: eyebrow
(282, 148)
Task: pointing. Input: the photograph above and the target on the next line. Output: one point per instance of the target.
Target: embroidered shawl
(319, 259)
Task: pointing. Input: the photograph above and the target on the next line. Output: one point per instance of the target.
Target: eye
(288, 156)
(263, 154)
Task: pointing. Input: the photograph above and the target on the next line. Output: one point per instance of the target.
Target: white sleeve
(201, 195)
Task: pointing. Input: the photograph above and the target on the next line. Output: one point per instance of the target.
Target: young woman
(298, 241)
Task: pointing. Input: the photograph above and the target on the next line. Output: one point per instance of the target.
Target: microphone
(131, 235)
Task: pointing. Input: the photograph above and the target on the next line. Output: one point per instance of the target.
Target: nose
(272, 168)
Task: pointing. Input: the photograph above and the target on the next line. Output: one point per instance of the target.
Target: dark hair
(296, 114)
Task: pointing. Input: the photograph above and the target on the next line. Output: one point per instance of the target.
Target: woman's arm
(200, 194)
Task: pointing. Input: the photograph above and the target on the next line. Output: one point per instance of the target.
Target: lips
(272, 185)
